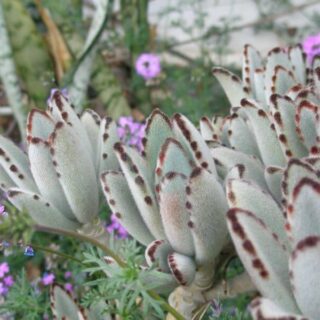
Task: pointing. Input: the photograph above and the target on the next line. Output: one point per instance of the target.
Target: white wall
(216, 9)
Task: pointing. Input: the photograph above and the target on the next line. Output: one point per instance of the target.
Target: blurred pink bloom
(67, 274)
(3, 289)
(311, 46)
(69, 287)
(48, 279)
(131, 132)
(117, 228)
(8, 281)
(4, 268)
(3, 212)
(148, 65)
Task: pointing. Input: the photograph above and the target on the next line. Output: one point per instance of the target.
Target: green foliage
(113, 98)
(16, 226)
(23, 299)
(127, 289)
(31, 56)
(192, 91)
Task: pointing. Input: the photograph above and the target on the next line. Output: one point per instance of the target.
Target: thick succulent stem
(9, 77)
(188, 299)
(96, 230)
(228, 289)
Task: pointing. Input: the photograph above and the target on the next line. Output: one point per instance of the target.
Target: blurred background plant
(122, 58)
(49, 44)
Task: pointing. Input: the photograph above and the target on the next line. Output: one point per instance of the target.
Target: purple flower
(117, 228)
(48, 279)
(3, 212)
(67, 274)
(64, 92)
(28, 251)
(69, 287)
(148, 65)
(311, 46)
(131, 132)
(3, 289)
(4, 268)
(216, 308)
(8, 281)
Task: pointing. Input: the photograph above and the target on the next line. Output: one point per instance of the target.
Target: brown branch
(252, 24)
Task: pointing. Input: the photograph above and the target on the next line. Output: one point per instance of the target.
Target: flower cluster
(131, 132)
(49, 278)
(6, 280)
(117, 228)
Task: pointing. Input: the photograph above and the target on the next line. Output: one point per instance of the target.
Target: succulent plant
(286, 71)
(274, 116)
(57, 182)
(170, 199)
(267, 152)
(280, 246)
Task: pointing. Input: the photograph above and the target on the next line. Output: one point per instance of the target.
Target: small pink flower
(131, 132)
(3, 289)
(4, 268)
(48, 279)
(117, 228)
(148, 65)
(67, 274)
(311, 46)
(8, 281)
(3, 212)
(69, 287)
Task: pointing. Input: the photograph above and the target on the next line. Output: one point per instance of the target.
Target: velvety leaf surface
(182, 267)
(273, 176)
(303, 214)
(141, 191)
(64, 306)
(283, 113)
(77, 178)
(265, 309)
(241, 137)
(39, 124)
(247, 196)
(15, 164)
(121, 202)
(194, 142)
(231, 84)
(41, 211)
(304, 265)
(158, 130)
(108, 137)
(264, 257)
(174, 213)
(266, 137)
(207, 206)
(157, 252)
(45, 176)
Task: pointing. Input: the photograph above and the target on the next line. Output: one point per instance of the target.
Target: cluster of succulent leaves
(274, 118)
(275, 229)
